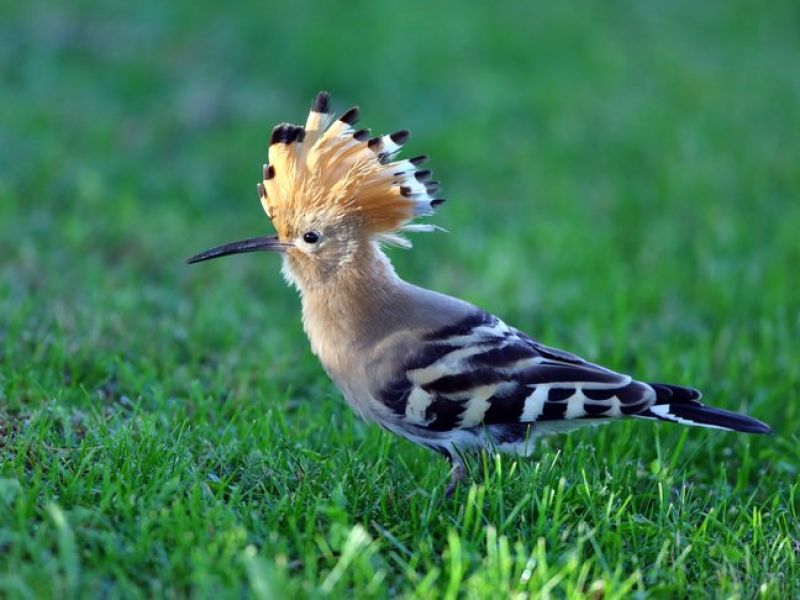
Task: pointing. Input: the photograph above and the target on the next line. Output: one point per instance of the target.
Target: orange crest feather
(328, 167)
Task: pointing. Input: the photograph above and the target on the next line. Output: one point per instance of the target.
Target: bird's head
(331, 191)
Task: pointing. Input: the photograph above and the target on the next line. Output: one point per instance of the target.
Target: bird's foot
(457, 473)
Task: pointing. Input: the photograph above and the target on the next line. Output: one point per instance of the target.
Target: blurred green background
(622, 180)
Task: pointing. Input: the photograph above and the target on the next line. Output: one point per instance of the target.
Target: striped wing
(482, 372)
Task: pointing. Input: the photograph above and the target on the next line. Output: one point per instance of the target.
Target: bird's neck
(345, 313)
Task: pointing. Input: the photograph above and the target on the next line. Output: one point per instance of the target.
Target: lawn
(622, 181)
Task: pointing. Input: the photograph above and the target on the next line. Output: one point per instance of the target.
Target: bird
(433, 369)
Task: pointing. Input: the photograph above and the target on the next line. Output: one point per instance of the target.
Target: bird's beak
(257, 244)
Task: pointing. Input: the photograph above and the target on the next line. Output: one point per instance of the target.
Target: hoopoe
(433, 369)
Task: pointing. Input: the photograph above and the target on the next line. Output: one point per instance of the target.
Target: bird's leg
(458, 472)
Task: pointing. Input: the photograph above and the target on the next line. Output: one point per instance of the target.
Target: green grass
(623, 182)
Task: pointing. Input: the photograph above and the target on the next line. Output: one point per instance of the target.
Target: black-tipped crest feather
(351, 116)
(322, 103)
(400, 137)
(285, 133)
(326, 153)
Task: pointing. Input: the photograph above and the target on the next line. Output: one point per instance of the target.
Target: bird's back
(449, 375)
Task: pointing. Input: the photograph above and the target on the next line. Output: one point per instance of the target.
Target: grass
(623, 182)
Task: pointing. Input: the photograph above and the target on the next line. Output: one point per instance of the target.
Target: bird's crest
(330, 167)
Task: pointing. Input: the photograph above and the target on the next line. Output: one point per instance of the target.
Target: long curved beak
(257, 244)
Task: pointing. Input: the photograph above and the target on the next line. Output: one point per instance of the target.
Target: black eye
(310, 237)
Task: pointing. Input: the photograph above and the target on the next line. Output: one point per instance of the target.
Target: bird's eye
(310, 237)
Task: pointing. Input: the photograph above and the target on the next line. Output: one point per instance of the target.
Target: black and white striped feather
(481, 373)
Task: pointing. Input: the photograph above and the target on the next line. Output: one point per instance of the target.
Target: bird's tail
(682, 405)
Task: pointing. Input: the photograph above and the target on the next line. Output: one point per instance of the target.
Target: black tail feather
(667, 393)
(681, 405)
